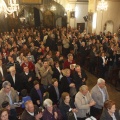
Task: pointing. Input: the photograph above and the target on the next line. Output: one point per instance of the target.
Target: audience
(31, 54)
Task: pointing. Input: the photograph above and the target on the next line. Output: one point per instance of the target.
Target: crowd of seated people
(44, 70)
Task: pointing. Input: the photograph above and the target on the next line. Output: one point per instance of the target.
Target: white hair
(100, 80)
(47, 103)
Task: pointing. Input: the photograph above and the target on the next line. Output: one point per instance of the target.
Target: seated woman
(4, 114)
(67, 105)
(109, 111)
(51, 112)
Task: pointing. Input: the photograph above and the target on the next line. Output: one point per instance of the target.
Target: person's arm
(78, 103)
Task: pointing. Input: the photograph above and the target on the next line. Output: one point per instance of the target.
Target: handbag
(70, 115)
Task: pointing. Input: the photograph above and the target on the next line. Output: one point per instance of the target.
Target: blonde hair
(65, 71)
(83, 88)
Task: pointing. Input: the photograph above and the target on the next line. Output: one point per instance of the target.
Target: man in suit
(14, 79)
(54, 92)
(31, 112)
(27, 79)
(100, 95)
(3, 73)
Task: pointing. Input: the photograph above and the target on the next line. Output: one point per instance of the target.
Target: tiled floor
(113, 94)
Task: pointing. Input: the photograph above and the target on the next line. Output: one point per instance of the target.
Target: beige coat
(81, 104)
(46, 76)
(4, 97)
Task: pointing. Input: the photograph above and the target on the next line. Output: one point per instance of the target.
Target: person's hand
(3, 79)
(92, 103)
(38, 102)
(38, 116)
(30, 78)
(44, 94)
(72, 85)
(74, 110)
(55, 115)
(83, 80)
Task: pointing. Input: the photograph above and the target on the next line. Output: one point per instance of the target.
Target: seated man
(31, 112)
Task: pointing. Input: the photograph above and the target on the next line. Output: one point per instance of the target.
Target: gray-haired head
(6, 83)
(100, 80)
(47, 103)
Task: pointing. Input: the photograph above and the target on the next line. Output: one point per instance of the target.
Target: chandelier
(53, 8)
(9, 8)
(102, 5)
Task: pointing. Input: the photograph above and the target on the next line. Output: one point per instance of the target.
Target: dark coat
(64, 108)
(56, 73)
(27, 116)
(48, 116)
(27, 84)
(34, 95)
(106, 116)
(64, 86)
(18, 82)
(77, 80)
(53, 94)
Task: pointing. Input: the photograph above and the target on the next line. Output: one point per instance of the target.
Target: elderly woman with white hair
(51, 112)
(100, 95)
(83, 102)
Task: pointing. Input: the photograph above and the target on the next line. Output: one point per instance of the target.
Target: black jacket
(17, 85)
(53, 94)
(64, 108)
(64, 86)
(34, 95)
(77, 80)
(106, 116)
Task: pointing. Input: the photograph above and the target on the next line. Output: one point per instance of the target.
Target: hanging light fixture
(10, 8)
(53, 8)
(102, 5)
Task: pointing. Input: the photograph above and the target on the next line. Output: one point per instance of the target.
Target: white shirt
(113, 116)
(103, 94)
(13, 78)
(32, 114)
(1, 70)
